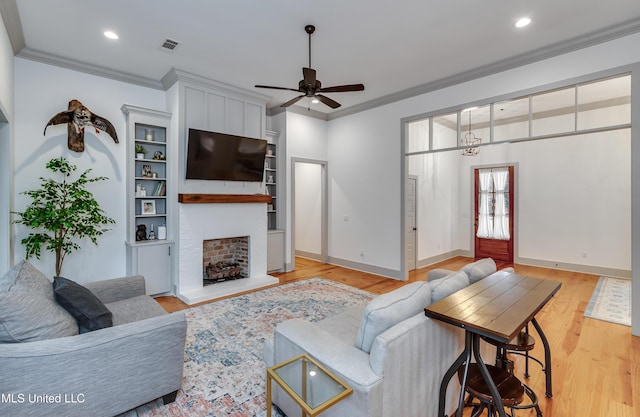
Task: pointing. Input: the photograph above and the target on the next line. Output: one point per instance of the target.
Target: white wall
(6, 145)
(572, 198)
(364, 185)
(43, 90)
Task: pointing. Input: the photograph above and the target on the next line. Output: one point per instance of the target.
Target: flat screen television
(224, 157)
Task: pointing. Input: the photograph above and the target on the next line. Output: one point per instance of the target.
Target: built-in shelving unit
(270, 181)
(148, 211)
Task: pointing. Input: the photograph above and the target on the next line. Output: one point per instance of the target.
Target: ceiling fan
(310, 86)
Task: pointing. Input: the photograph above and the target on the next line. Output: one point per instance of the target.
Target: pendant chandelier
(470, 142)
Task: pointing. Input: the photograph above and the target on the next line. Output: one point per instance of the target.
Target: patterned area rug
(224, 374)
(611, 301)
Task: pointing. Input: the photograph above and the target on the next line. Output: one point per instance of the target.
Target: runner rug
(611, 301)
(224, 374)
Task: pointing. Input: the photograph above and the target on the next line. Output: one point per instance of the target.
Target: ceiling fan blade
(292, 101)
(277, 88)
(309, 75)
(342, 88)
(326, 100)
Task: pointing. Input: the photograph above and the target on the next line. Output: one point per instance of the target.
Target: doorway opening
(309, 210)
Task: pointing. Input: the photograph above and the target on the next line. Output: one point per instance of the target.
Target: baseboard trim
(309, 255)
(443, 257)
(585, 269)
(371, 269)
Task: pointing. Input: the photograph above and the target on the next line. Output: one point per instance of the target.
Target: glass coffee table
(308, 383)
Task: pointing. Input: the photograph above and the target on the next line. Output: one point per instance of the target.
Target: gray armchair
(101, 373)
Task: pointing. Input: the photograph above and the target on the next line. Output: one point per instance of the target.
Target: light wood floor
(596, 365)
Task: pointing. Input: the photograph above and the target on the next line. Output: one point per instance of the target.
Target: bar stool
(524, 342)
(519, 345)
(509, 387)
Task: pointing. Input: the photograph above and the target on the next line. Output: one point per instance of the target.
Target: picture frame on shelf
(148, 207)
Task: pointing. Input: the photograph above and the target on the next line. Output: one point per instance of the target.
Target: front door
(494, 213)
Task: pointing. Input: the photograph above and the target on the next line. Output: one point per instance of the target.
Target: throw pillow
(28, 310)
(480, 269)
(90, 313)
(444, 287)
(387, 310)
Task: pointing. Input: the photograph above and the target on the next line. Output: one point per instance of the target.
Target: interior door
(410, 223)
(493, 231)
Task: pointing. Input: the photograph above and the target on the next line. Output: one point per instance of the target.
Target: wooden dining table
(498, 307)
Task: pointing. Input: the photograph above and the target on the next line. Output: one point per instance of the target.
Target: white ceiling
(395, 48)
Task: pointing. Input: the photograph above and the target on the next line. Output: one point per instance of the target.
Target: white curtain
(493, 208)
(501, 209)
(485, 220)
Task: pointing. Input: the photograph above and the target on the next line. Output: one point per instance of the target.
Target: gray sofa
(389, 352)
(103, 372)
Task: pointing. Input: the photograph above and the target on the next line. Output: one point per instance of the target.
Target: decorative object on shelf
(269, 152)
(159, 156)
(77, 117)
(152, 234)
(469, 139)
(149, 135)
(66, 209)
(146, 171)
(140, 151)
(141, 232)
(270, 179)
(148, 207)
(162, 232)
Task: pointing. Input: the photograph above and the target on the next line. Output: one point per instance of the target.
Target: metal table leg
(464, 356)
(547, 357)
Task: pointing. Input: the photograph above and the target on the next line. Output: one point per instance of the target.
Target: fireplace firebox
(225, 259)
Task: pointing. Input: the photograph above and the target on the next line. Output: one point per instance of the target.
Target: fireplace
(225, 259)
(223, 217)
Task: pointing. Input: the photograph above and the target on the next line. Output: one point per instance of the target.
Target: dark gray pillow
(90, 313)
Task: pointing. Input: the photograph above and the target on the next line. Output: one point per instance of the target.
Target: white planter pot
(139, 156)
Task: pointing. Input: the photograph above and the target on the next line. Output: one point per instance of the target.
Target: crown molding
(560, 48)
(99, 71)
(174, 75)
(13, 25)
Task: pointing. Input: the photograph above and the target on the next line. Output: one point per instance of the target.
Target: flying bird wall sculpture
(77, 117)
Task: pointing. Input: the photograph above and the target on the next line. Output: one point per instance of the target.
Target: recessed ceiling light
(111, 35)
(522, 22)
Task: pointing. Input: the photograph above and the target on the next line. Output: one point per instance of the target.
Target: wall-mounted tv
(224, 157)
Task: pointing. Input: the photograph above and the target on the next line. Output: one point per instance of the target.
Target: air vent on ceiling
(170, 45)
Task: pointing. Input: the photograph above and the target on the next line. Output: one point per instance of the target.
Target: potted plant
(140, 151)
(61, 212)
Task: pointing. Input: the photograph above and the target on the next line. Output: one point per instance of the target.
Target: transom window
(594, 106)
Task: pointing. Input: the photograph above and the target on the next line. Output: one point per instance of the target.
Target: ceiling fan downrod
(310, 29)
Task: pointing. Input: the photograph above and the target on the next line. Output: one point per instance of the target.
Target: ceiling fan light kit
(311, 87)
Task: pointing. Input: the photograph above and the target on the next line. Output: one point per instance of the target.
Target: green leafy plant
(141, 149)
(61, 212)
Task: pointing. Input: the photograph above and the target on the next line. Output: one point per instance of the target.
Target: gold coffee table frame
(309, 373)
